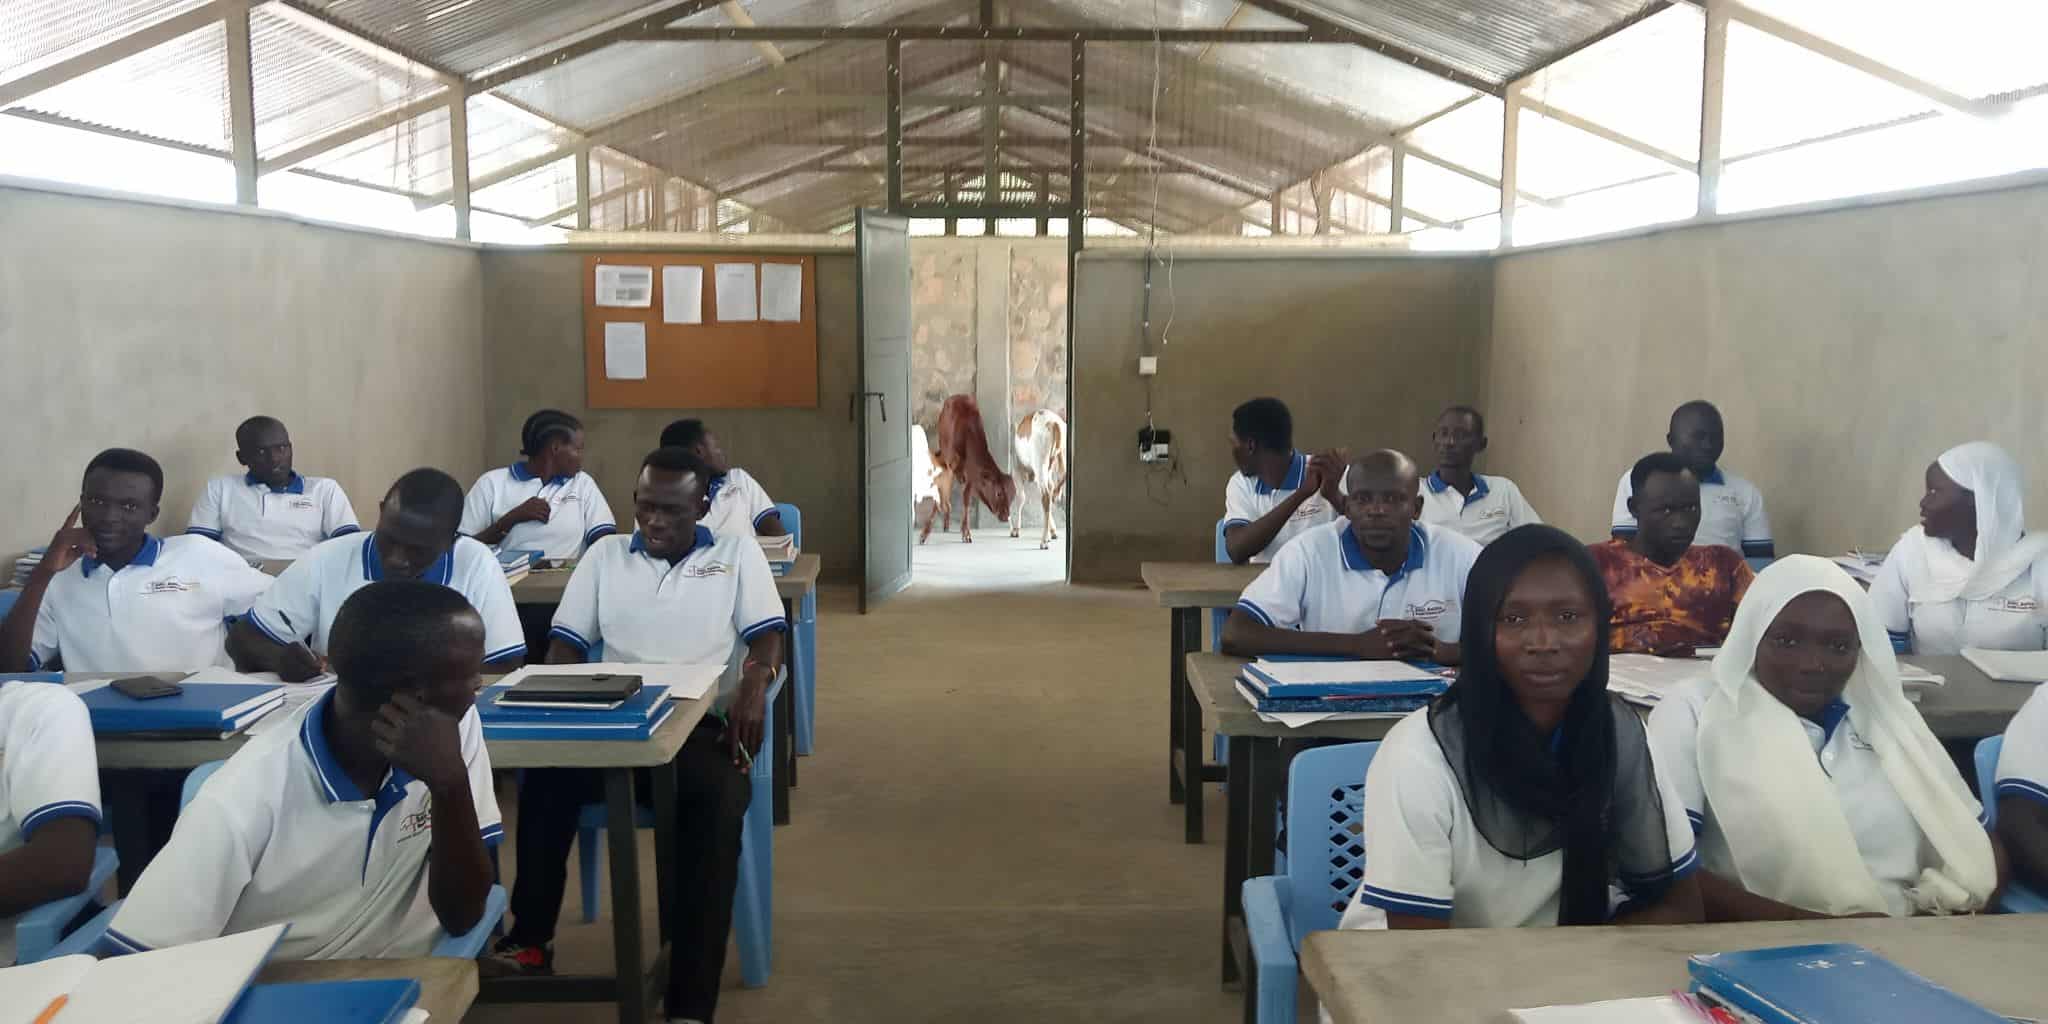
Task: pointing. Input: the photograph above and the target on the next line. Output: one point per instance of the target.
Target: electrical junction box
(1154, 445)
(1148, 366)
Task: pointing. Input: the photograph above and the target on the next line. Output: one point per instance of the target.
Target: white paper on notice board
(782, 292)
(625, 351)
(736, 297)
(625, 286)
(682, 295)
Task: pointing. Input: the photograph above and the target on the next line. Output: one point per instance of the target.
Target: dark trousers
(535, 622)
(142, 807)
(711, 800)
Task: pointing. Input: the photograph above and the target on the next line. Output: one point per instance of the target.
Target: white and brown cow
(1041, 442)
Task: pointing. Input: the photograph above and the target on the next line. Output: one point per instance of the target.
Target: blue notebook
(637, 708)
(376, 1001)
(1280, 684)
(610, 730)
(1832, 983)
(203, 707)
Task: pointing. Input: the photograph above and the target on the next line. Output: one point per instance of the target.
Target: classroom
(1546, 438)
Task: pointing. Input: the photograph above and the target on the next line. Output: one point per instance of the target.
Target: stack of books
(1339, 687)
(781, 552)
(517, 562)
(27, 564)
(561, 706)
(202, 710)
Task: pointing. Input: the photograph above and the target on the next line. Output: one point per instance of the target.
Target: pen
(51, 1010)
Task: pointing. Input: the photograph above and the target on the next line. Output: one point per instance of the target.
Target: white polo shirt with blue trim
(2014, 619)
(1426, 857)
(1322, 583)
(1247, 499)
(165, 611)
(48, 770)
(702, 609)
(738, 504)
(2023, 756)
(256, 520)
(302, 604)
(1731, 514)
(579, 514)
(1494, 507)
(1893, 848)
(281, 834)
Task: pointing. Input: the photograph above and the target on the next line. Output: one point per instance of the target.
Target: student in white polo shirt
(673, 592)
(1526, 795)
(1277, 493)
(134, 602)
(1815, 787)
(49, 800)
(288, 631)
(1480, 507)
(270, 512)
(363, 820)
(1375, 585)
(545, 502)
(1731, 508)
(1970, 575)
(2022, 790)
(738, 502)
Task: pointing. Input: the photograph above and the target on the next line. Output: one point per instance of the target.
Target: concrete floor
(983, 832)
(994, 562)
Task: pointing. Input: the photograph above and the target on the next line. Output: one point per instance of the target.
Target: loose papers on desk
(2009, 666)
(196, 983)
(1672, 1009)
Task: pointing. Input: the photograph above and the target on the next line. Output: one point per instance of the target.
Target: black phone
(147, 687)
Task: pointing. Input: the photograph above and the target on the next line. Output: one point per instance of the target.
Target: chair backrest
(196, 778)
(1218, 616)
(792, 520)
(1987, 776)
(1222, 553)
(1325, 841)
(7, 599)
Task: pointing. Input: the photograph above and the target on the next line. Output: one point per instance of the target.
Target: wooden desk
(1470, 975)
(1185, 589)
(447, 985)
(1256, 776)
(1970, 705)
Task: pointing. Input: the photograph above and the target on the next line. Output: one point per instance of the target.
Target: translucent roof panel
(469, 35)
(36, 33)
(1777, 93)
(501, 135)
(1643, 82)
(308, 83)
(1492, 39)
(1972, 47)
(1468, 136)
(410, 157)
(1556, 159)
(176, 91)
(626, 78)
(532, 195)
(1443, 194)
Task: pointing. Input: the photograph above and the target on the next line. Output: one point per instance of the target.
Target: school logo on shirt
(1727, 499)
(418, 823)
(2015, 605)
(301, 505)
(1493, 513)
(704, 569)
(1428, 611)
(1310, 509)
(169, 586)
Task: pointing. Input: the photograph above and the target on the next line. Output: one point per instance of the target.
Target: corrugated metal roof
(468, 35)
(176, 91)
(1496, 40)
(34, 33)
(309, 83)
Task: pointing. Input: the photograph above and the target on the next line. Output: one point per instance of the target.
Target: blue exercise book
(203, 707)
(375, 1001)
(636, 719)
(1830, 983)
(512, 558)
(1276, 684)
(1341, 705)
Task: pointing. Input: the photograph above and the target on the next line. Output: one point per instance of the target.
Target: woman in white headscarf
(1814, 785)
(1969, 575)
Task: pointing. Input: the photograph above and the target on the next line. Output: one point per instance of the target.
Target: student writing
(271, 512)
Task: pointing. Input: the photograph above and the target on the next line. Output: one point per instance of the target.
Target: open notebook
(195, 983)
(2010, 666)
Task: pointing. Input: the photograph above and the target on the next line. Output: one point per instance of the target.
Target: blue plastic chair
(2017, 898)
(467, 946)
(7, 599)
(38, 932)
(753, 905)
(1217, 617)
(804, 657)
(1325, 793)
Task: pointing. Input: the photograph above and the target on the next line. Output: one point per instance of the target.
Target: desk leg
(786, 739)
(1268, 776)
(1236, 826)
(665, 848)
(1194, 758)
(1176, 681)
(629, 958)
(782, 719)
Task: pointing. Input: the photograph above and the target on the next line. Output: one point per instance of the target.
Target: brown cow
(963, 455)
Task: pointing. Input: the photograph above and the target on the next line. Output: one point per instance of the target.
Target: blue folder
(1425, 684)
(203, 707)
(635, 709)
(376, 1001)
(610, 731)
(1831, 983)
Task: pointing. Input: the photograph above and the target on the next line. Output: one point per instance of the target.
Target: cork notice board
(712, 364)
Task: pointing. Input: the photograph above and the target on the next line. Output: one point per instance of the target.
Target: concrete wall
(533, 326)
(1365, 350)
(1846, 349)
(161, 327)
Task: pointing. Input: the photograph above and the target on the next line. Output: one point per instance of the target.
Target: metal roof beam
(1648, 10)
(359, 130)
(976, 34)
(1871, 66)
(20, 87)
(1479, 176)
(1600, 131)
(1320, 25)
(657, 17)
(505, 173)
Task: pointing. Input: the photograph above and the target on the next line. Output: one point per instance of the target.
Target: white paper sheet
(737, 300)
(682, 295)
(625, 286)
(684, 682)
(782, 292)
(1649, 1010)
(2010, 666)
(1645, 678)
(31, 987)
(189, 984)
(1335, 672)
(625, 351)
(1297, 719)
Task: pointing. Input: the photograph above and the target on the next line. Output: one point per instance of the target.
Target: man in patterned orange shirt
(1670, 596)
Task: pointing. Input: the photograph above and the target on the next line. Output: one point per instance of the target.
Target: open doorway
(989, 322)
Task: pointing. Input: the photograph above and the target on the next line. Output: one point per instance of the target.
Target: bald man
(1377, 585)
